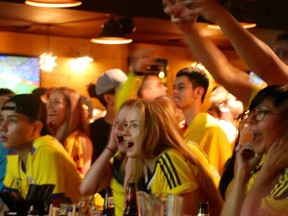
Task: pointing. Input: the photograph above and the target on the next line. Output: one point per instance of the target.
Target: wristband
(111, 150)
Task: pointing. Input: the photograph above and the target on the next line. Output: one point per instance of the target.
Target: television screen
(21, 74)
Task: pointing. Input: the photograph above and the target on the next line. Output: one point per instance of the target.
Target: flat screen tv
(21, 74)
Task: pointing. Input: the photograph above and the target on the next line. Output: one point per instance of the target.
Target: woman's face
(132, 133)
(266, 131)
(56, 110)
(119, 128)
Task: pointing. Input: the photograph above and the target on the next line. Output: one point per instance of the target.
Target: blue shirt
(3, 162)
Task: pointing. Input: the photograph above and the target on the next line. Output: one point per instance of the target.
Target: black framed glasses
(256, 114)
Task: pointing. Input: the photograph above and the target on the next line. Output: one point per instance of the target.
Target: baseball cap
(109, 80)
(29, 105)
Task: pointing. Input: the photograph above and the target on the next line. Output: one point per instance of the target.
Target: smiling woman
(68, 123)
(264, 178)
(152, 135)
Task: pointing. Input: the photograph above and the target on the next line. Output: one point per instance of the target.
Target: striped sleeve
(173, 175)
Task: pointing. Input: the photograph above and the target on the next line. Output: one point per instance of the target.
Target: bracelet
(111, 150)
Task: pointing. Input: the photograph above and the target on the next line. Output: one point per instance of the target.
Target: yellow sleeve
(129, 90)
(274, 207)
(204, 160)
(216, 145)
(54, 160)
(12, 172)
(255, 90)
(173, 175)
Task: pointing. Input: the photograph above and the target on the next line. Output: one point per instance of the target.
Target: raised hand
(179, 10)
(246, 160)
(210, 10)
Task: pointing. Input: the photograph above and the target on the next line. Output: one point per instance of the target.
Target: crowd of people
(232, 155)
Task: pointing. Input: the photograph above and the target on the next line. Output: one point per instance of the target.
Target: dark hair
(92, 94)
(30, 105)
(91, 90)
(40, 91)
(6, 91)
(197, 77)
(101, 97)
(277, 94)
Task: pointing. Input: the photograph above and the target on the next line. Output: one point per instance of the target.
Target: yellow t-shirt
(204, 160)
(205, 131)
(47, 163)
(129, 90)
(74, 146)
(276, 203)
(173, 175)
(255, 90)
(117, 183)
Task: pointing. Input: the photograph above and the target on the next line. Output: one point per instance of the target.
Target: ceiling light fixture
(47, 61)
(53, 3)
(114, 32)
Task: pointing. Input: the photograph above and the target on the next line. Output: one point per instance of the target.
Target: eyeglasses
(257, 114)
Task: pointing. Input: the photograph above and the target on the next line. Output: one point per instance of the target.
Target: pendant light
(53, 3)
(113, 32)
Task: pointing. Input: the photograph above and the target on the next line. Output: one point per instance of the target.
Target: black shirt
(99, 134)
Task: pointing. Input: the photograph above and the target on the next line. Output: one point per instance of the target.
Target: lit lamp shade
(53, 3)
(112, 33)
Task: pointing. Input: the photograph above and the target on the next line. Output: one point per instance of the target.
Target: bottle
(203, 209)
(32, 212)
(131, 201)
(109, 208)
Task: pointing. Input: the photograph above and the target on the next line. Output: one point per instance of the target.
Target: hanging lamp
(112, 33)
(53, 3)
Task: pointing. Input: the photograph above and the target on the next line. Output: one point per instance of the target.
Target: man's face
(16, 130)
(183, 92)
(152, 88)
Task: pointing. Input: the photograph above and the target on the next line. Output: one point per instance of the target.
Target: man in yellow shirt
(189, 91)
(34, 157)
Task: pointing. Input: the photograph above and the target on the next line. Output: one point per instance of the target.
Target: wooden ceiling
(152, 25)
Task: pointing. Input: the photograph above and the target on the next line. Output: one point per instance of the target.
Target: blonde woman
(108, 169)
(67, 122)
(152, 135)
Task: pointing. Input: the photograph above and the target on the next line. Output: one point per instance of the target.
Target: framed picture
(157, 67)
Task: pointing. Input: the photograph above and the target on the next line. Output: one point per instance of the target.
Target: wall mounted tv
(21, 74)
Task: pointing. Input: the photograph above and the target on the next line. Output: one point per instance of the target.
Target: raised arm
(245, 163)
(100, 173)
(87, 153)
(233, 79)
(256, 54)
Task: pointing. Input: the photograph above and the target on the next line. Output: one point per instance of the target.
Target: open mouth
(4, 139)
(256, 137)
(129, 144)
(120, 138)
